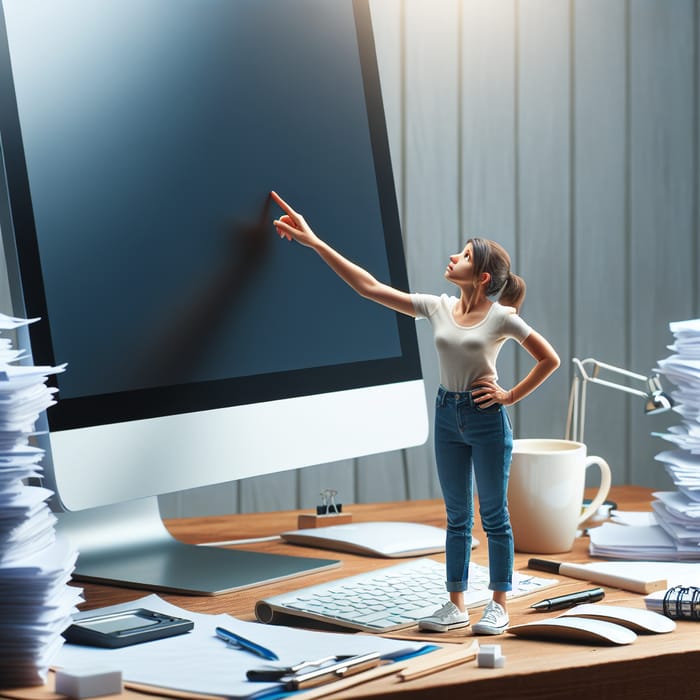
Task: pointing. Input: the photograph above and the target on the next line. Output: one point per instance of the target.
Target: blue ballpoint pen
(238, 641)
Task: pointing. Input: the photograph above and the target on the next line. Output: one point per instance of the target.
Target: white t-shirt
(468, 353)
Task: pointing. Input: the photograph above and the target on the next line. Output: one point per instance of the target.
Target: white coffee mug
(545, 493)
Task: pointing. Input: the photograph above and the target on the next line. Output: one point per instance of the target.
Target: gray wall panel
(599, 266)
(488, 138)
(661, 196)
(431, 161)
(544, 199)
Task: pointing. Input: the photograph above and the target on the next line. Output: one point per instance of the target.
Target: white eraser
(489, 656)
(88, 683)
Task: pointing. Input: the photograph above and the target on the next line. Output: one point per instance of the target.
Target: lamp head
(658, 400)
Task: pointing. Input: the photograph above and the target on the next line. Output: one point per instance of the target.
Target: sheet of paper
(200, 662)
(8, 323)
(680, 506)
(628, 517)
(642, 543)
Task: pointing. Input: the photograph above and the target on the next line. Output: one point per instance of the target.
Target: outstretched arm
(293, 226)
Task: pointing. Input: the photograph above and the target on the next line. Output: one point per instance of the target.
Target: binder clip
(328, 512)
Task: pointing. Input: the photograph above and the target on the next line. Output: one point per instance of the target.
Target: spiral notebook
(678, 603)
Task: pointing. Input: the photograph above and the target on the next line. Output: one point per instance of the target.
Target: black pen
(566, 601)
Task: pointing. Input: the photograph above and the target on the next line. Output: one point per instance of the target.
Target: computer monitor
(140, 140)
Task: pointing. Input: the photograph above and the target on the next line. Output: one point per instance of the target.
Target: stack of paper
(678, 512)
(36, 604)
(639, 543)
(682, 368)
(673, 533)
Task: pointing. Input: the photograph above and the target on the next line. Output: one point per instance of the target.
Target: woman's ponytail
(504, 286)
(513, 293)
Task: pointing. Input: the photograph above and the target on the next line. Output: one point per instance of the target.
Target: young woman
(472, 429)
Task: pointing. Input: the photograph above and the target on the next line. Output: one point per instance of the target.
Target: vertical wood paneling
(382, 477)
(488, 118)
(599, 266)
(662, 129)
(336, 475)
(544, 171)
(270, 492)
(431, 194)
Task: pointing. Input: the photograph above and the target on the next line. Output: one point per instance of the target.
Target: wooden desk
(653, 667)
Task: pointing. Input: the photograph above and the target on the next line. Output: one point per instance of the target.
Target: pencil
(439, 660)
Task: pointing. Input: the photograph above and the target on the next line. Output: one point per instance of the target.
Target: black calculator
(120, 629)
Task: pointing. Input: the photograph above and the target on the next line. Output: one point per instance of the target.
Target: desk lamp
(585, 371)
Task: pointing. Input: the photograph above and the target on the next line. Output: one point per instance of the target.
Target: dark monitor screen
(141, 140)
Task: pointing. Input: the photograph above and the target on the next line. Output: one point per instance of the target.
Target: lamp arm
(620, 387)
(612, 368)
(573, 410)
(595, 366)
(576, 416)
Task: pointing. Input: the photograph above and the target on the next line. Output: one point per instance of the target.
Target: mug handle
(603, 489)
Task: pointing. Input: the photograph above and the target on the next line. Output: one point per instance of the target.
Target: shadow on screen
(172, 355)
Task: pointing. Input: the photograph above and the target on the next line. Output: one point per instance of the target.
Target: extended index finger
(283, 204)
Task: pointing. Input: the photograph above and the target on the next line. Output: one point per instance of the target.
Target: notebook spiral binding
(682, 603)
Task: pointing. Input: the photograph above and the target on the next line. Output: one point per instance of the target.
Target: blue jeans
(468, 437)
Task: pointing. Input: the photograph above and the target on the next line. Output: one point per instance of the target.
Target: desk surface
(653, 666)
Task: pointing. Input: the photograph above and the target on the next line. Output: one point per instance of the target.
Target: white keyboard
(387, 599)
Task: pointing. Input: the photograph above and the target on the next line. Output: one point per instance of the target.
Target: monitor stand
(127, 544)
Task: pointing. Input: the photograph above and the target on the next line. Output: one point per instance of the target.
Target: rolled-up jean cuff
(500, 586)
(455, 586)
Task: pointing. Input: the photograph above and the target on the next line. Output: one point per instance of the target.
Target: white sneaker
(448, 617)
(494, 620)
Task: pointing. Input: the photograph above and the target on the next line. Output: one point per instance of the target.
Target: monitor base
(128, 545)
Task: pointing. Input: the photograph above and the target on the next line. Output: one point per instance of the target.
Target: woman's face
(460, 269)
